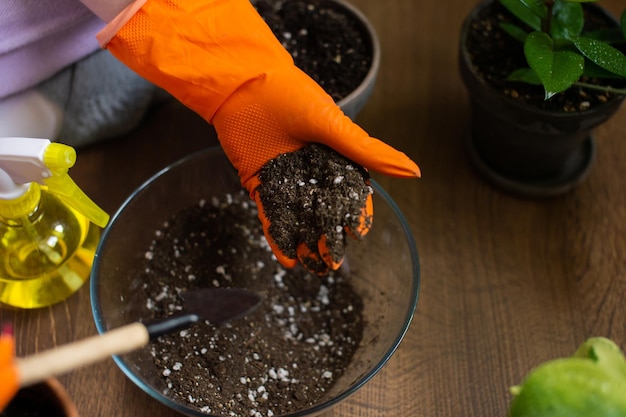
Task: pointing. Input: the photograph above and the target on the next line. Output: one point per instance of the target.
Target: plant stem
(546, 25)
(619, 91)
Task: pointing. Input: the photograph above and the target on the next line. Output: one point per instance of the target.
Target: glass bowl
(383, 269)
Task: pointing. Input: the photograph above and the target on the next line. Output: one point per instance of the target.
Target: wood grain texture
(506, 283)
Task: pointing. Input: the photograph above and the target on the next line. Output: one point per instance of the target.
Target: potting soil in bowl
(288, 353)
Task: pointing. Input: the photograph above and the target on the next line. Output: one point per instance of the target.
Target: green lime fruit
(592, 383)
(605, 353)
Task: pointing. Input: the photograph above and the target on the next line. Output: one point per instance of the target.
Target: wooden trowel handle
(40, 366)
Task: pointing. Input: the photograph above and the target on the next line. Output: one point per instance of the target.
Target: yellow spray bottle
(49, 228)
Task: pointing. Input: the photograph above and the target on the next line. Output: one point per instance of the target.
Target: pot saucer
(562, 183)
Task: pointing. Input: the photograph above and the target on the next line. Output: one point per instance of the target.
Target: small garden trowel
(215, 305)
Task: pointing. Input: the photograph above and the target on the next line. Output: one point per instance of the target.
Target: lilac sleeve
(39, 38)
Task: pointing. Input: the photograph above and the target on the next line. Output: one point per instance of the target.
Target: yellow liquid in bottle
(46, 256)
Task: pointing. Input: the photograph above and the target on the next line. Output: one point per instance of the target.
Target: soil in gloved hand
(312, 192)
(316, 191)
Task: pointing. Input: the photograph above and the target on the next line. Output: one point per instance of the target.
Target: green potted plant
(541, 75)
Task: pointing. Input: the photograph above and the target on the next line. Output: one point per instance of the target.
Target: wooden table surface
(506, 283)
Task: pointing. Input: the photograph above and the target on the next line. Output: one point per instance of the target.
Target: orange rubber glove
(219, 58)
(9, 382)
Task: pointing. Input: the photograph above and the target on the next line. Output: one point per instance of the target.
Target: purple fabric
(40, 37)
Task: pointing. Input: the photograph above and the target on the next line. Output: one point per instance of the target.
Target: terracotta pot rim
(64, 398)
(54, 398)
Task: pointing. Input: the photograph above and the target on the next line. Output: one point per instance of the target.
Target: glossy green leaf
(602, 54)
(568, 20)
(524, 75)
(592, 70)
(557, 70)
(537, 6)
(530, 15)
(515, 31)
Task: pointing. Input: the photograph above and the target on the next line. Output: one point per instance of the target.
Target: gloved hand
(219, 58)
(9, 383)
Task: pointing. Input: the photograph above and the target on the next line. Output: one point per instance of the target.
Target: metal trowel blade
(220, 305)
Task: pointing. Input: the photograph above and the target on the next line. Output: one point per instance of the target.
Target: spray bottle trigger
(58, 158)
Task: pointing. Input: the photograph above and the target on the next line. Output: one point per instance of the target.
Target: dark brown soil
(311, 192)
(496, 54)
(327, 45)
(281, 358)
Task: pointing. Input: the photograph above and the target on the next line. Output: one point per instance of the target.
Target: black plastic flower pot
(529, 151)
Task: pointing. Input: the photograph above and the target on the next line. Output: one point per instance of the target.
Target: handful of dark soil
(312, 192)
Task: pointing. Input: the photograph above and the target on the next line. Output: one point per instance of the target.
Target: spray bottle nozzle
(26, 160)
(59, 158)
